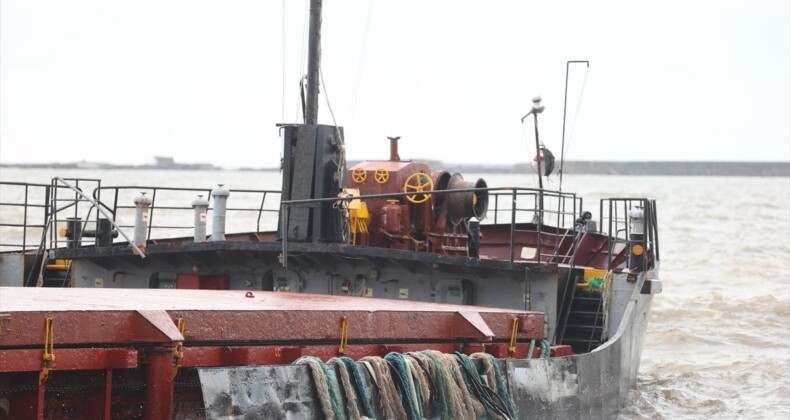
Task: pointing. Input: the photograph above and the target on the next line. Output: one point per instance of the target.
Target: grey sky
(122, 81)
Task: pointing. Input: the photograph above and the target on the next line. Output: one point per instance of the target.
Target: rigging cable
(360, 65)
(305, 22)
(573, 127)
(341, 145)
(282, 100)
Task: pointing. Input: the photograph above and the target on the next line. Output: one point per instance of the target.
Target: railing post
(513, 226)
(260, 213)
(47, 203)
(24, 228)
(151, 214)
(496, 207)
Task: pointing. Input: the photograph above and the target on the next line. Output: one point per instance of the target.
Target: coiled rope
(496, 380)
(404, 385)
(322, 379)
(362, 394)
(493, 404)
(416, 385)
(389, 402)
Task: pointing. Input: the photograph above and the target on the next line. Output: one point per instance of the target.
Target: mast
(537, 108)
(313, 63)
(313, 161)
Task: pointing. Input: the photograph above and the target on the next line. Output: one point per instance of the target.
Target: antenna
(565, 112)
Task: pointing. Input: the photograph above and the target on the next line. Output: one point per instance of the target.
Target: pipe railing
(615, 224)
(517, 207)
(558, 216)
(171, 206)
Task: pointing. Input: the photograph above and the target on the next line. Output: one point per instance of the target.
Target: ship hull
(582, 386)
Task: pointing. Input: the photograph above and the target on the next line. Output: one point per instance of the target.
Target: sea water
(718, 343)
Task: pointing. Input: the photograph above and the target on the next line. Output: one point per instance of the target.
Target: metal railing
(24, 211)
(558, 212)
(27, 209)
(37, 214)
(171, 208)
(614, 216)
(34, 213)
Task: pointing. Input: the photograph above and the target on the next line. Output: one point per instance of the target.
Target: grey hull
(589, 385)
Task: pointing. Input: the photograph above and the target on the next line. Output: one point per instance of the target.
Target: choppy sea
(718, 344)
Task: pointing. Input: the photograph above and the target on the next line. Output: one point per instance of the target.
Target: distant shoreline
(772, 169)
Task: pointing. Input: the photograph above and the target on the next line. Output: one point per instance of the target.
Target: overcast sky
(123, 81)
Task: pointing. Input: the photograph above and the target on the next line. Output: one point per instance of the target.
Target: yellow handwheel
(418, 182)
(381, 175)
(359, 175)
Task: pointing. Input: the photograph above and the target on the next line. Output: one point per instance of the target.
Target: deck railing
(171, 212)
(35, 215)
(555, 210)
(617, 225)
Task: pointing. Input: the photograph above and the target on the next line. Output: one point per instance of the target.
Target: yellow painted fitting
(49, 351)
(178, 352)
(591, 273)
(341, 349)
(513, 334)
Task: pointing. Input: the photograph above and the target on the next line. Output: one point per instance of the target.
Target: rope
(545, 349)
(498, 380)
(362, 395)
(451, 403)
(436, 405)
(414, 384)
(531, 349)
(488, 397)
(322, 380)
(417, 385)
(420, 375)
(348, 390)
(473, 405)
(389, 402)
(400, 374)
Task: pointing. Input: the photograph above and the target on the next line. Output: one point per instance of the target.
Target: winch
(413, 208)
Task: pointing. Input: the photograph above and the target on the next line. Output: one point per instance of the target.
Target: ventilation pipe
(142, 207)
(220, 196)
(200, 205)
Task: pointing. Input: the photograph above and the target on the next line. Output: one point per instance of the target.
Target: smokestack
(394, 149)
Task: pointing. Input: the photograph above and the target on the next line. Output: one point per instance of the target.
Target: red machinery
(416, 209)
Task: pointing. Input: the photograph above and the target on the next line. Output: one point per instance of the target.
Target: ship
(388, 289)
